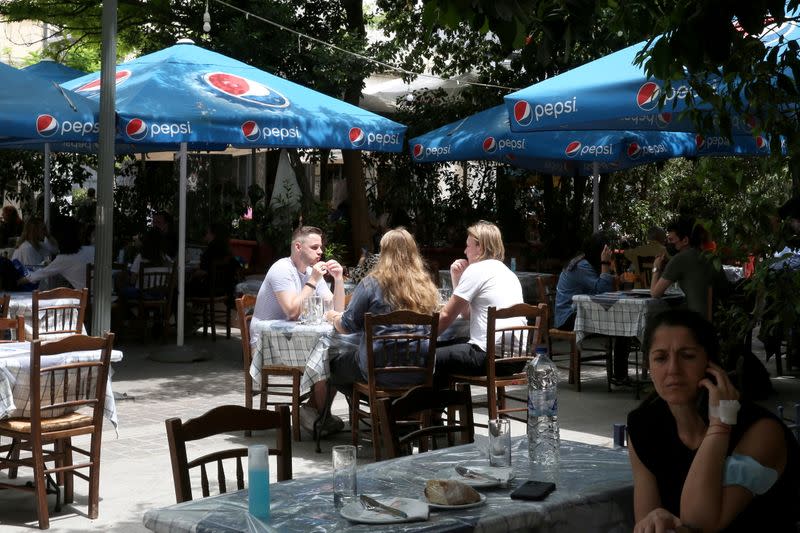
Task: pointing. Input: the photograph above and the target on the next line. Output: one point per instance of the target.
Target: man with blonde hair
(480, 281)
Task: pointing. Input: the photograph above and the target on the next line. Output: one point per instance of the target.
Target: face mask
(671, 249)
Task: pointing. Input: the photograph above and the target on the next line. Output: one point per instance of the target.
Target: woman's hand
(660, 261)
(606, 254)
(657, 521)
(723, 389)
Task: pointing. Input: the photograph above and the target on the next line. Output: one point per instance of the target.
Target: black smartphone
(533, 490)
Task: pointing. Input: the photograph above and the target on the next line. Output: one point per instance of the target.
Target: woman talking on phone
(700, 458)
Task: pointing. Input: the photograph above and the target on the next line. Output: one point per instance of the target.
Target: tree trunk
(307, 195)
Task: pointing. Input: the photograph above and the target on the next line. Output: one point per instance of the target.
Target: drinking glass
(500, 442)
(444, 295)
(344, 475)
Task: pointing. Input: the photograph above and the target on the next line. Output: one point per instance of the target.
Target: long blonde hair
(31, 232)
(489, 239)
(402, 276)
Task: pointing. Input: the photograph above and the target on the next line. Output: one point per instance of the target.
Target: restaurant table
(594, 492)
(15, 384)
(21, 303)
(530, 290)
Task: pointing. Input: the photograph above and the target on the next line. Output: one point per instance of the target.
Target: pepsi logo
(761, 143)
(664, 119)
(46, 125)
(94, 85)
(245, 90)
(573, 149)
(634, 151)
(647, 96)
(489, 145)
(418, 151)
(136, 129)
(356, 136)
(522, 113)
(699, 141)
(251, 131)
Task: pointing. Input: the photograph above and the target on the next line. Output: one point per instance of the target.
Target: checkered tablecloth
(15, 383)
(22, 304)
(279, 342)
(616, 314)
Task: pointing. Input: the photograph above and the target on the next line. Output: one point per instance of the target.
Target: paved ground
(136, 475)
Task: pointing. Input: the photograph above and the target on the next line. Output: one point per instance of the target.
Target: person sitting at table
(398, 281)
(480, 281)
(34, 245)
(151, 254)
(686, 265)
(71, 260)
(656, 237)
(589, 273)
(10, 226)
(701, 457)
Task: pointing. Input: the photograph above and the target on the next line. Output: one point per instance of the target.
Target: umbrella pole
(181, 244)
(46, 186)
(595, 197)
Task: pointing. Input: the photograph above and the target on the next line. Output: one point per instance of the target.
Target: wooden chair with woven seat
(220, 288)
(156, 289)
(424, 405)
(244, 310)
(224, 419)
(576, 355)
(54, 421)
(506, 359)
(56, 320)
(408, 352)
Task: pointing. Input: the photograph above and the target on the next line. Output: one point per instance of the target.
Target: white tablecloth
(15, 384)
(22, 304)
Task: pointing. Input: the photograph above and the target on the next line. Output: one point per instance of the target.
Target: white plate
(503, 475)
(463, 506)
(415, 509)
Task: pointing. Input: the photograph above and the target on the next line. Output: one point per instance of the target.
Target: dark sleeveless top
(654, 433)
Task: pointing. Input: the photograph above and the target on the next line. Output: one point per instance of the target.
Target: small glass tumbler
(344, 475)
(500, 442)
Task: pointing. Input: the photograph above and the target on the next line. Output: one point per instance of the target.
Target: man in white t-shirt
(480, 281)
(288, 282)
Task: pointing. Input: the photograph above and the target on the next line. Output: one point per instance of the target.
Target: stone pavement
(136, 473)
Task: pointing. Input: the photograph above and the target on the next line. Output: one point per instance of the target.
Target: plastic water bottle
(543, 434)
(513, 264)
(258, 481)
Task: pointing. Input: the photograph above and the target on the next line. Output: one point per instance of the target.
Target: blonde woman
(398, 281)
(480, 281)
(33, 246)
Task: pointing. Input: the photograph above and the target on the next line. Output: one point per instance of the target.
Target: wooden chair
(5, 301)
(156, 290)
(220, 291)
(424, 405)
(71, 386)
(224, 419)
(408, 350)
(12, 329)
(53, 321)
(244, 310)
(645, 264)
(576, 355)
(505, 362)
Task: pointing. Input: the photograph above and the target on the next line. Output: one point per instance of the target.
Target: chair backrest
(645, 264)
(5, 301)
(546, 286)
(244, 309)
(75, 383)
(59, 318)
(222, 278)
(417, 411)
(12, 329)
(517, 343)
(225, 419)
(406, 348)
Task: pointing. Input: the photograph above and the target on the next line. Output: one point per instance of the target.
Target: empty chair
(224, 419)
(63, 388)
(412, 419)
(5, 300)
(291, 390)
(645, 264)
(156, 289)
(506, 359)
(12, 329)
(218, 291)
(406, 354)
(58, 312)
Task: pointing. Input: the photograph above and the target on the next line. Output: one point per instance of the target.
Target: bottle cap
(257, 455)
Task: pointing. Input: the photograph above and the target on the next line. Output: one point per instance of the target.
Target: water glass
(444, 295)
(344, 475)
(500, 442)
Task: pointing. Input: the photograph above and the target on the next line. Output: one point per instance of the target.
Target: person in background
(656, 237)
(71, 260)
(11, 226)
(163, 222)
(686, 266)
(590, 273)
(701, 458)
(480, 281)
(217, 251)
(34, 245)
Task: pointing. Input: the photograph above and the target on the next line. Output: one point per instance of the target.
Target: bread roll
(450, 492)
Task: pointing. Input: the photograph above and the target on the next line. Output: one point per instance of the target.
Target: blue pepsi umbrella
(185, 93)
(53, 71)
(35, 110)
(613, 93)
